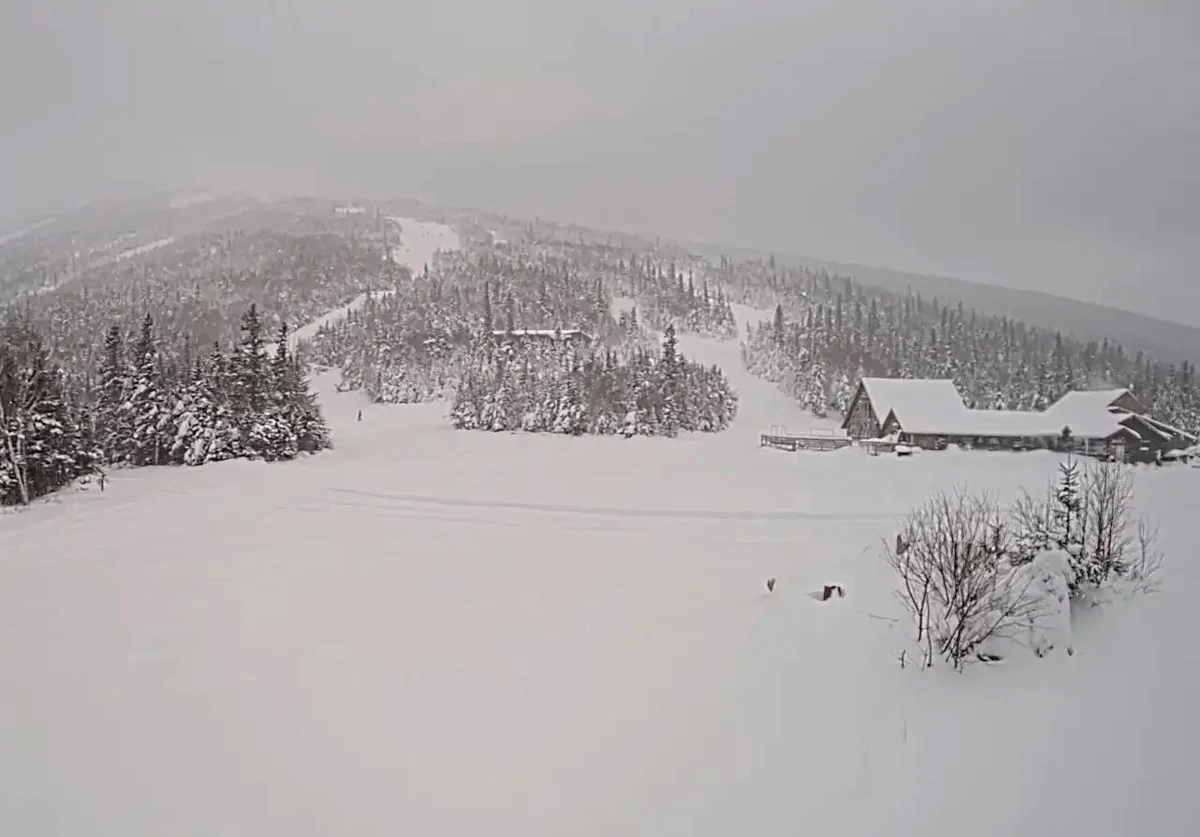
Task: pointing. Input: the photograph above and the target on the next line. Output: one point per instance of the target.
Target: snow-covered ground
(433, 632)
(142, 249)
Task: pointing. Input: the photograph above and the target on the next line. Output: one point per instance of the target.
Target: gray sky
(1053, 145)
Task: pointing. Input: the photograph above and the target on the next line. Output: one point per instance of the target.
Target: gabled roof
(933, 407)
(1088, 413)
(915, 399)
(1087, 400)
(1097, 424)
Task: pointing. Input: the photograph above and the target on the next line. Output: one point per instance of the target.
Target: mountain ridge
(1167, 340)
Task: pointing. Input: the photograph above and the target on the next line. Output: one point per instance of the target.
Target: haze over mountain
(1042, 146)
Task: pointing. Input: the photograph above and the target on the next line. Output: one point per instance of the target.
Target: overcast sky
(1053, 145)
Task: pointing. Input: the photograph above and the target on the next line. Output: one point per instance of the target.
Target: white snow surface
(433, 632)
(148, 247)
(8, 237)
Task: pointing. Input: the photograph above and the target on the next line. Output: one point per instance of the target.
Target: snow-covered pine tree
(1068, 517)
(145, 409)
(114, 428)
(670, 383)
(248, 371)
(42, 444)
(300, 409)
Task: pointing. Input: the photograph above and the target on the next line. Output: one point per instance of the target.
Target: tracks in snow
(412, 501)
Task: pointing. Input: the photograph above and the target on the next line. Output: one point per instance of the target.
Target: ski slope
(420, 241)
(432, 632)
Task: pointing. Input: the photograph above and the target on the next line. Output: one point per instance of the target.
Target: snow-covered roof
(916, 400)
(1012, 423)
(933, 407)
(562, 333)
(1086, 400)
(1087, 424)
(1088, 413)
(966, 422)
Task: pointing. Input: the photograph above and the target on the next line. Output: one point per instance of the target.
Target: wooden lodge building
(931, 414)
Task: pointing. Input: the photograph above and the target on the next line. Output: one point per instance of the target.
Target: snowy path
(762, 406)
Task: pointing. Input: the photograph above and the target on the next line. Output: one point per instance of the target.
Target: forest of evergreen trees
(668, 284)
(459, 330)
(665, 296)
(140, 408)
(161, 359)
(828, 332)
(413, 344)
(560, 388)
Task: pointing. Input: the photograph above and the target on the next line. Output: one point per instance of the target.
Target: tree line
(829, 332)
(137, 407)
(560, 388)
(667, 296)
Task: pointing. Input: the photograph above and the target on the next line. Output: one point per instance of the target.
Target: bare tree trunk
(13, 459)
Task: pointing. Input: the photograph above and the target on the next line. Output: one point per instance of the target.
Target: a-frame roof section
(1088, 401)
(909, 398)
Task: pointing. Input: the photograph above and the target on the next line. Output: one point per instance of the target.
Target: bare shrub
(1107, 523)
(955, 580)
(1031, 518)
(1146, 559)
(1089, 513)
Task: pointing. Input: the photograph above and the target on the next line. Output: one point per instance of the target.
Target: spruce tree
(144, 409)
(114, 429)
(670, 383)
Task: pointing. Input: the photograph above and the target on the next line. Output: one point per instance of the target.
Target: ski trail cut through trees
(420, 242)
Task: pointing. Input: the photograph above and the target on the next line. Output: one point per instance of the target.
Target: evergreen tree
(248, 377)
(114, 428)
(669, 388)
(144, 409)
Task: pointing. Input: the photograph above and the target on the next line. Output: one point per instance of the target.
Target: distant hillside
(1085, 320)
(166, 213)
(1162, 339)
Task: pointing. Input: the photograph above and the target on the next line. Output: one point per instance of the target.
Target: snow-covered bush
(1044, 584)
(1088, 512)
(956, 582)
(975, 578)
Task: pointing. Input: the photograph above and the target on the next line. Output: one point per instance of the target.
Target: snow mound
(1041, 594)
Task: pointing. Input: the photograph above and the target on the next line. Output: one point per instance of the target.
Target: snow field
(447, 633)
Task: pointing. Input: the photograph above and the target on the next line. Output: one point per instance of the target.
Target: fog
(1042, 145)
